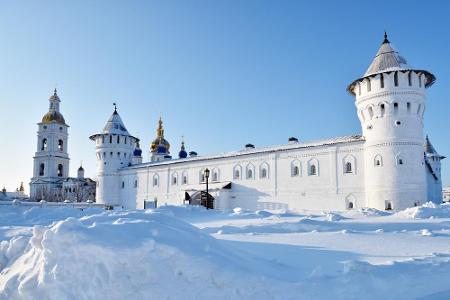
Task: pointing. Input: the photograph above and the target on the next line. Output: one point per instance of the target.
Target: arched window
(399, 160)
(135, 183)
(395, 107)
(237, 172)
(41, 169)
(155, 180)
(381, 81)
(60, 145)
(295, 168)
(408, 107)
(174, 179)
(370, 109)
(185, 178)
(264, 171)
(60, 170)
(250, 171)
(350, 205)
(396, 78)
(202, 175)
(215, 175)
(349, 164)
(382, 109)
(312, 170)
(378, 161)
(313, 167)
(44, 144)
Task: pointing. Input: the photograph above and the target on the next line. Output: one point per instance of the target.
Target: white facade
(389, 166)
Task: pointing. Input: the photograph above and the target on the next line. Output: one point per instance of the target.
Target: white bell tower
(51, 161)
(390, 101)
(114, 148)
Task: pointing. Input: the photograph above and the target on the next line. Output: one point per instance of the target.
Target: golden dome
(160, 140)
(53, 116)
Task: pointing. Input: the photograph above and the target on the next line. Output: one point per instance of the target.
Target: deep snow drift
(191, 253)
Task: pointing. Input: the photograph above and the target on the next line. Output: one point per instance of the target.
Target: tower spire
(385, 41)
(115, 108)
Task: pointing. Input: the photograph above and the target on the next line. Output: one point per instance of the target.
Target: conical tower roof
(388, 59)
(115, 125)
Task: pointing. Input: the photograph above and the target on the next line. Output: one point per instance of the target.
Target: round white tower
(51, 161)
(114, 150)
(390, 101)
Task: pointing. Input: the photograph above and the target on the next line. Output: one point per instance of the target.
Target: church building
(389, 166)
(51, 161)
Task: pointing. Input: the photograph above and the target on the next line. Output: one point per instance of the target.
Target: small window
(396, 78)
(185, 179)
(249, 174)
(395, 107)
(237, 174)
(110, 139)
(215, 175)
(378, 161)
(350, 205)
(400, 161)
(125, 140)
(295, 171)
(60, 170)
(382, 109)
(111, 154)
(418, 109)
(44, 145)
(118, 154)
(60, 145)
(155, 180)
(381, 81)
(348, 167)
(41, 169)
(118, 139)
(264, 173)
(388, 205)
(174, 180)
(123, 184)
(370, 112)
(202, 176)
(103, 139)
(408, 107)
(312, 170)
(409, 79)
(136, 183)
(369, 86)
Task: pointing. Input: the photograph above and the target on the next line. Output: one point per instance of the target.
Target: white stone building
(389, 166)
(51, 160)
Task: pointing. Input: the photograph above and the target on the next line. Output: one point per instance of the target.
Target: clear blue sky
(223, 73)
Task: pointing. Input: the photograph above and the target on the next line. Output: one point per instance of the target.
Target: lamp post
(207, 191)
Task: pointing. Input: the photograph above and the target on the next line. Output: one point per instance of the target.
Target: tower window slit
(396, 78)
(369, 87)
(110, 139)
(382, 109)
(408, 107)
(382, 81)
(118, 139)
(409, 79)
(395, 107)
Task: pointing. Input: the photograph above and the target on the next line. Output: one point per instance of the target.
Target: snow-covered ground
(192, 253)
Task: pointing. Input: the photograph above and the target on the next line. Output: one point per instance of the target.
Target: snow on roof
(270, 149)
(115, 125)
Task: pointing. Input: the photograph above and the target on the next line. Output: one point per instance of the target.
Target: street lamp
(207, 192)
